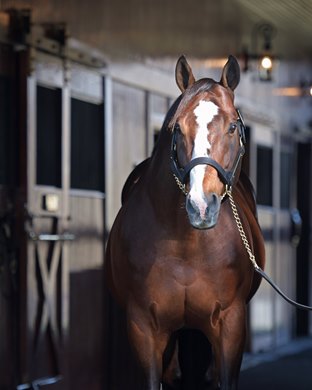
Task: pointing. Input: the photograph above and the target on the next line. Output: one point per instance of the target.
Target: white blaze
(204, 112)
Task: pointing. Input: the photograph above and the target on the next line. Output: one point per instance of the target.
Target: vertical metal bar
(31, 139)
(276, 228)
(109, 169)
(148, 129)
(66, 142)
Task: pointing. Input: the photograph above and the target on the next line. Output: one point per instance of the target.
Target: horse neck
(162, 186)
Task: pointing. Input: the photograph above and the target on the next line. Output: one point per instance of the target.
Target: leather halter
(226, 176)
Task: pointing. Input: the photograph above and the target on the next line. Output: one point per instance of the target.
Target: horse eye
(177, 127)
(232, 128)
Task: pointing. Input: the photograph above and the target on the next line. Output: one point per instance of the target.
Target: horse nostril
(213, 202)
(214, 198)
(191, 206)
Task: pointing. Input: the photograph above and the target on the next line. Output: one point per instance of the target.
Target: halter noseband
(226, 176)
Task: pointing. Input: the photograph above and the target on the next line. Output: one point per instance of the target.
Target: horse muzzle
(203, 213)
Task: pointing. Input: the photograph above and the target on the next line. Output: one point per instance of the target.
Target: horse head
(207, 141)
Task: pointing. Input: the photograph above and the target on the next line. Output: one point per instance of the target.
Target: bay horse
(175, 258)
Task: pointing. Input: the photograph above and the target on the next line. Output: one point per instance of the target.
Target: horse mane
(133, 178)
(247, 191)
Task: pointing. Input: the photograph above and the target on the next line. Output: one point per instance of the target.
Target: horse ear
(230, 74)
(184, 75)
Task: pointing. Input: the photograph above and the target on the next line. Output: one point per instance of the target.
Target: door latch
(51, 237)
(38, 383)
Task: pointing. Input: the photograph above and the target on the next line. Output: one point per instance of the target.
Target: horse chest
(197, 282)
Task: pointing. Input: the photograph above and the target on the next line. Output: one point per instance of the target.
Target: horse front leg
(228, 341)
(148, 343)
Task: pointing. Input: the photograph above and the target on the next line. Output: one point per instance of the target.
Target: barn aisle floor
(287, 368)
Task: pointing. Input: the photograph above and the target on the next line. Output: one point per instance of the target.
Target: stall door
(86, 211)
(65, 226)
(8, 212)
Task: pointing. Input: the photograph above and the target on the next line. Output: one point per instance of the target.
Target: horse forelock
(202, 85)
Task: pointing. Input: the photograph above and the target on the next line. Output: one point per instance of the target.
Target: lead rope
(228, 192)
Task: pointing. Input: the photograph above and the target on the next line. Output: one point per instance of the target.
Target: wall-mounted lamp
(261, 51)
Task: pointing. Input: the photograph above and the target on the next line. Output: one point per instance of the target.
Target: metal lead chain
(180, 185)
(241, 229)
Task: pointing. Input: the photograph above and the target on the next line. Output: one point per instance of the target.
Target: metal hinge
(51, 237)
(38, 383)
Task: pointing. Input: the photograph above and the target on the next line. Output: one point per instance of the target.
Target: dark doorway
(303, 249)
